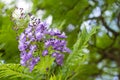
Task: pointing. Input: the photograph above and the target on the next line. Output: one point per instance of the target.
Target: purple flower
(65, 49)
(59, 45)
(27, 43)
(41, 27)
(30, 35)
(22, 62)
(29, 55)
(59, 61)
(33, 48)
(45, 52)
(47, 43)
(23, 54)
(54, 32)
(58, 58)
(33, 62)
(22, 46)
(28, 29)
(22, 37)
(32, 39)
(25, 57)
(39, 36)
(38, 31)
(62, 35)
(54, 54)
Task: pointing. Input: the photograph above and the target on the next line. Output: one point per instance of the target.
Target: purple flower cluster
(38, 31)
(58, 45)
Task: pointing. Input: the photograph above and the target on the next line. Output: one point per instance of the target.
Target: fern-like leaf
(13, 71)
(76, 58)
(81, 43)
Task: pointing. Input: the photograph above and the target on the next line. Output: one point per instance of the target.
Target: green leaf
(44, 63)
(81, 42)
(11, 71)
(77, 57)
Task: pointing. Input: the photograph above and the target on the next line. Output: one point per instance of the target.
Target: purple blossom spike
(36, 32)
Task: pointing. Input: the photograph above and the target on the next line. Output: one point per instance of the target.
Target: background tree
(103, 51)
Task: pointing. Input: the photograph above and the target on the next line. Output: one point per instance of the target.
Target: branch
(105, 24)
(118, 20)
(107, 27)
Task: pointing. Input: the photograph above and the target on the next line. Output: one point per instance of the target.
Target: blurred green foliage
(95, 51)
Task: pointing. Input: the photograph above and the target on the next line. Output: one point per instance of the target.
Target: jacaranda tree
(81, 43)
